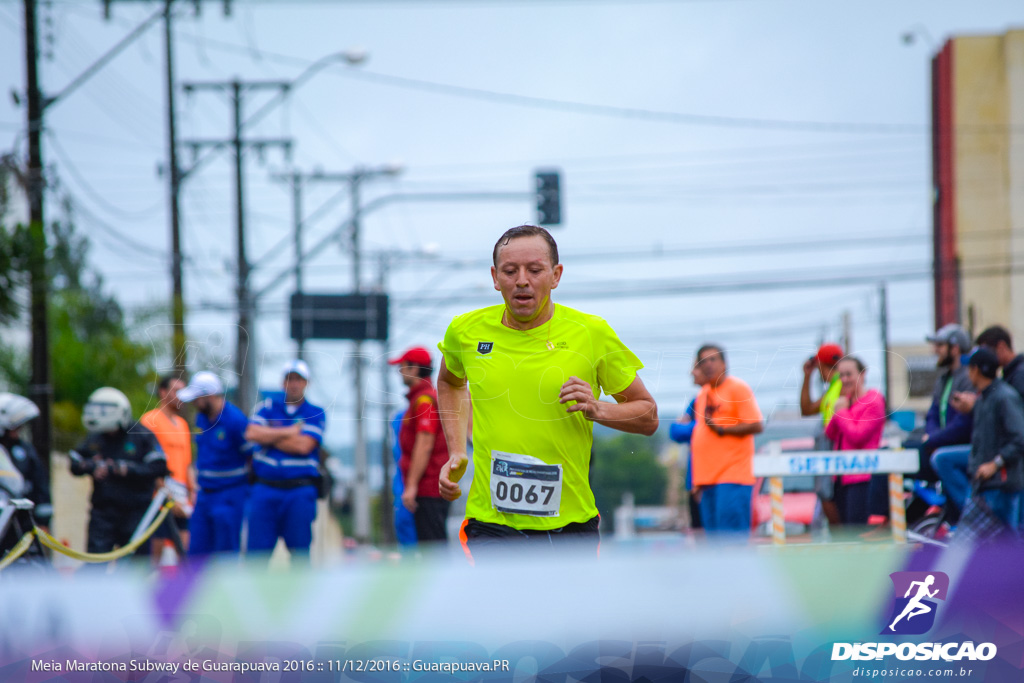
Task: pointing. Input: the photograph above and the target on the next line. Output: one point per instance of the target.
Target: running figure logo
(914, 612)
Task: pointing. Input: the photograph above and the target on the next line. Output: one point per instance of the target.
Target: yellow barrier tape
(17, 551)
(125, 550)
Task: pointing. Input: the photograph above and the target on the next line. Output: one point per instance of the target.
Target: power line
(122, 239)
(762, 282)
(92, 192)
(633, 113)
(699, 156)
(636, 113)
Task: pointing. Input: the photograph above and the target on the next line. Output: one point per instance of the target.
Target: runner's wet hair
(527, 231)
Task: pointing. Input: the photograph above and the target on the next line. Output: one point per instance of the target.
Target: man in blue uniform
(288, 434)
(222, 467)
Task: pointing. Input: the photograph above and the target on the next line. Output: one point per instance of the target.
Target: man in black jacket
(125, 460)
(997, 444)
(998, 340)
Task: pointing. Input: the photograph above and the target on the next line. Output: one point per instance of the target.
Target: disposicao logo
(913, 613)
(916, 595)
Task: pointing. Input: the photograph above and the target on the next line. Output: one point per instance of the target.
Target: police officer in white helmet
(15, 412)
(124, 460)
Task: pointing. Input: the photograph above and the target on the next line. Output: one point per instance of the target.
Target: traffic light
(549, 198)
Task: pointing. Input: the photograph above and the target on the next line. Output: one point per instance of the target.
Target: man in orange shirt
(727, 418)
(175, 438)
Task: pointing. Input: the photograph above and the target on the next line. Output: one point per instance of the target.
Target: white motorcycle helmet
(15, 411)
(107, 410)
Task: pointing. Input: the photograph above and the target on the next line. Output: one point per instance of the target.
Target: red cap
(417, 355)
(830, 354)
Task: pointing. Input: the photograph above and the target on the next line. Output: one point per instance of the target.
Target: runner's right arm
(454, 409)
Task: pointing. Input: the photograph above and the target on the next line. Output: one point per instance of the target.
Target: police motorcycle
(16, 518)
(17, 511)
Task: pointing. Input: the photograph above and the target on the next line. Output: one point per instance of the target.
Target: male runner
(534, 371)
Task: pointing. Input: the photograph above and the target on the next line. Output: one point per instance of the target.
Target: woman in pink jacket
(857, 425)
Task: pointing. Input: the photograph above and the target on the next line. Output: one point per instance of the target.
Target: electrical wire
(93, 194)
(122, 239)
(631, 113)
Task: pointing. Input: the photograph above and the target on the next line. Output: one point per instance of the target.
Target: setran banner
(835, 463)
(662, 611)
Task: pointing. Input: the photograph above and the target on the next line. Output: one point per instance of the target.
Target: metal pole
(386, 509)
(883, 294)
(40, 390)
(847, 333)
(362, 492)
(242, 362)
(297, 222)
(177, 297)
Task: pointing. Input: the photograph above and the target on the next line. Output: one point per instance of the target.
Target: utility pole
(297, 226)
(362, 490)
(40, 390)
(354, 180)
(245, 367)
(246, 396)
(175, 177)
(298, 181)
(177, 296)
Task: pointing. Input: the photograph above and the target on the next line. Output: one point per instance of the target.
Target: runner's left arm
(634, 410)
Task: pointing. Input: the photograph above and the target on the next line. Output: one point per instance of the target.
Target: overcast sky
(728, 143)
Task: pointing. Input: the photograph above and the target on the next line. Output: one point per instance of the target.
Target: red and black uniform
(422, 416)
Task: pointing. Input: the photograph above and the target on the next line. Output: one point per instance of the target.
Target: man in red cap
(826, 360)
(424, 449)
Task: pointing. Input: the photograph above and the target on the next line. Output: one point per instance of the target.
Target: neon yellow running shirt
(514, 379)
(828, 399)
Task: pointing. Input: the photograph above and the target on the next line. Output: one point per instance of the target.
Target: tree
(626, 462)
(14, 251)
(91, 344)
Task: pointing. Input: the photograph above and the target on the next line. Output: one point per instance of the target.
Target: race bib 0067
(525, 485)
